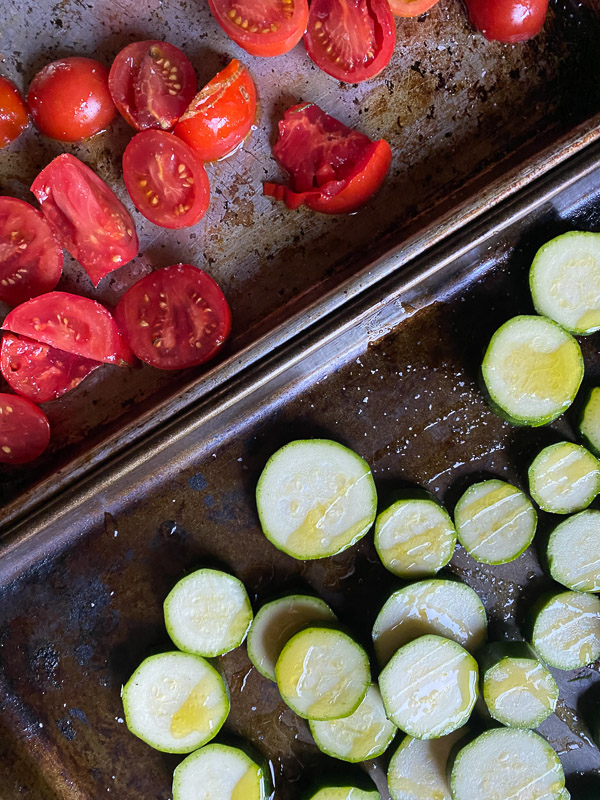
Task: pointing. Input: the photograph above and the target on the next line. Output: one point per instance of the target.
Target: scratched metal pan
(393, 374)
(469, 121)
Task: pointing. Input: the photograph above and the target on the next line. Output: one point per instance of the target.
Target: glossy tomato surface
(31, 258)
(351, 40)
(165, 179)
(24, 430)
(411, 8)
(13, 112)
(508, 20)
(152, 83)
(87, 216)
(175, 317)
(262, 27)
(221, 115)
(75, 324)
(69, 99)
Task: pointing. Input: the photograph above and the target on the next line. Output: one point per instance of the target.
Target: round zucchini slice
(574, 552)
(344, 792)
(566, 629)
(418, 768)
(219, 772)
(564, 478)
(315, 498)
(589, 420)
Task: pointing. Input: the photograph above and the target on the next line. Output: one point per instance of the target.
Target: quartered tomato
(262, 27)
(69, 99)
(77, 325)
(152, 84)
(24, 430)
(411, 8)
(31, 258)
(221, 115)
(508, 20)
(351, 40)
(333, 169)
(89, 219)
(175, 317)
(13, 112)
(165, 179)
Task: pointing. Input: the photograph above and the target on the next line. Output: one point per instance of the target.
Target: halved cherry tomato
(165, 179)
(13, 112)
(508, 20)
(71, 323)
(262, 27)
(175, 317)
(31, 258)
(411, 8)
(40, 372)
(89, 219)
(220, 116)
(333, 169)
(152, 83)
(24, 430)
(69, 99)
(351, 40)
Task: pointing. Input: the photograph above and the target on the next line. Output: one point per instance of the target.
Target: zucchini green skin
(588, 408)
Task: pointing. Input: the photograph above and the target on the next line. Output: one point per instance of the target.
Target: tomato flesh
(89, 219)
(24, 430)
(152, 83)
(411, 8)
(508, 21)
(175, 317)
(165, 180)
(262, 27)
(351, 40)
(221, 115)
(13, 112)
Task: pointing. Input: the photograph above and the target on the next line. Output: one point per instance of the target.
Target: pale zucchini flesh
(589, 421)
(573, 552)
(219, 772)
(566, 629)
(564, 478)
(418, 768)
(348, 792)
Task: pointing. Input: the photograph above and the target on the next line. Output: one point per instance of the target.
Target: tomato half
(333, 169)
(89, 219)
(221, 115)
(13, 112)
(175, 317)
(508, 20)
(69, 99)
(152, 84)
(24, 430)
(411, 8)
(31, 258)
(77, 325)
(351, 40)
(165, 179)
(262, 27)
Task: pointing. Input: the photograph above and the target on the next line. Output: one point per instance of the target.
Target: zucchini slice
(208, 613)
(510, 764)
(532, 370)
(175, 702)
(346, 792)
(589, 420)
(566, 629)
(573, 552)
(275, 624)
(365, 734)
(447, 608)
(564, 478)
(418, 769)
(565, 281)
(323, 674)
(315, 498)
(219, 772)
(414, 538)
(495, 522)
(429, 687)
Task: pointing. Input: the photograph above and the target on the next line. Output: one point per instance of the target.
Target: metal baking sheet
(469, 121)
(394, 376)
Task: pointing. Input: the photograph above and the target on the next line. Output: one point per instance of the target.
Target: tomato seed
(6, 449)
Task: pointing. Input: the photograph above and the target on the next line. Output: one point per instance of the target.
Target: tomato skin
(13, 112)
(411, 8)
(87, 216)
(290, 20)
(165, 179)
(508, 21)
(69, 99)
(24, 430)
(221, 115)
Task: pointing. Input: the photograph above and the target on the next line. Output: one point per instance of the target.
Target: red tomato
(410, 8)
(77, 325)
(13, 112)
(152, 83)
(508, 20)
(333, 169)
(351, 40)
(165, 180)
(262, 27)
(220, 116)
(69, 99)
(24, 430)
(175, 317)
(31, 258)
(91, 222)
